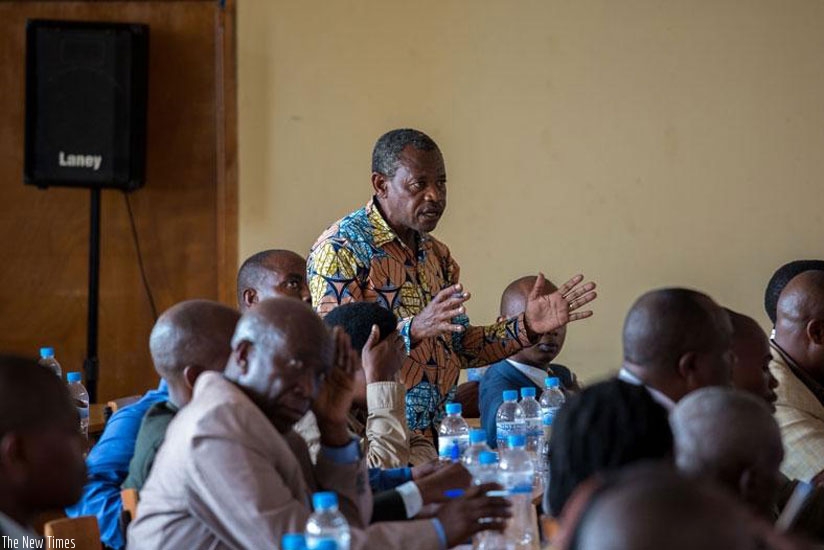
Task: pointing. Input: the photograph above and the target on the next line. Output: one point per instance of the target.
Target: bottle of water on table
(509, 420)
(487, 472)
(48, 360)
(477, 445)
(81, 400)
(553, 398)
(327, 523)
(532, 422)
(518, 475)
(453, 435)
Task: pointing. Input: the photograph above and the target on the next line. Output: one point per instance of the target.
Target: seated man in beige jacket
(798, 365)
(378, 414)
(233, 474)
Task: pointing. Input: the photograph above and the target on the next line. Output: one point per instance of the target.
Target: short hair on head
(719, 430)
(192, 332)
(664, 324)
(31, 395)
(253, 269)
(388, 148)
(601, 429)
(647, 508)
(357, 319)
(782, 276)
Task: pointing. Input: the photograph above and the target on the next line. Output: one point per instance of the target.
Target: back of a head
(192, 333)
(720, 432)
(388, 148)
(37, 413)
(357, 320)
(663, 511)
(606, 426)
(664, 324)
(781, 277)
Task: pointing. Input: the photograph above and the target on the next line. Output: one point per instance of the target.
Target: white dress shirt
(659, 397)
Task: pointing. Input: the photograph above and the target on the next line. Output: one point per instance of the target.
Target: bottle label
(505, 429)
(550, 413)
(84, 412)
(533, 427)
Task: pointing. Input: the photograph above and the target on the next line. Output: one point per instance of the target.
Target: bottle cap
(453, 493)
(45, 353)
(548, 419)
(453, 408)
(510, 395)
(326, 544)
(552, 382)
(516, 440)
(477, 435)
(293, 541)
(74, 377)
(325, 500)
(488, 457)
(527, 392)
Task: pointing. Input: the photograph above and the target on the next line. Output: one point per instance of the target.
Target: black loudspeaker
(86, 86)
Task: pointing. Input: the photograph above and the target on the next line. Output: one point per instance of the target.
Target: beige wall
(644, 142)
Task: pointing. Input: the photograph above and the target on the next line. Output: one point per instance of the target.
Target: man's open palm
(547, 312)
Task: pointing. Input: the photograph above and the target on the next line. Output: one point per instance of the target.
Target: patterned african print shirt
(360, 258)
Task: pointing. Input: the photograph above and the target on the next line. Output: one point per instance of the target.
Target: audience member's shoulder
(218, 408)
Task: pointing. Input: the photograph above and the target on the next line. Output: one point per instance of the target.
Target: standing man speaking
(384, 253)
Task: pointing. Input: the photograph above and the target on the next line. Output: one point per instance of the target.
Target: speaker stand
(90, 364)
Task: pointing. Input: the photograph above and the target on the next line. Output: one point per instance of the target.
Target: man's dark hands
(436, 317)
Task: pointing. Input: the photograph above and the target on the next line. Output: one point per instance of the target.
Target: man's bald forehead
(516, 293)
(276, 319)
(803, 297)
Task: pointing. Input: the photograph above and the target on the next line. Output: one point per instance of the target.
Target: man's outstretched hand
(546, 312)
(436, 318)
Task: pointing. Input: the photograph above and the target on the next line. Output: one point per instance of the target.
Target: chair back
(80, 533)
(119, 403)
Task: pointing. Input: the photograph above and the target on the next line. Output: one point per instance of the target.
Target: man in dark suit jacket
(527, 368)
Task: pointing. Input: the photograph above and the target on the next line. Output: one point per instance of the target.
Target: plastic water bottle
(453, 435)
(532, 423)
(517, 475)
(509, 420)
(293, 541)
(487, 472)
(81, 400)
(553, 398)
(47, 360)
(327, 523)
(477, 445)
(542, 466)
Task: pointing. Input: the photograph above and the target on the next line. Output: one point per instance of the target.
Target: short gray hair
(718, 429)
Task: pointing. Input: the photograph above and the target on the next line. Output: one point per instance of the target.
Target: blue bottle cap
(477, 435)
(74, 377)
(548, 419)
(326, 544)
(510, 395)
(488, 457)
(46, 353)
(527, 392)
(453, 408)
(516, 440)
(325, 500)
(453, 493)
(293, 541)
(552, 382)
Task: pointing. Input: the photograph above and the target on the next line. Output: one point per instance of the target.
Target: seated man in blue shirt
(198, 321)
(526, 369)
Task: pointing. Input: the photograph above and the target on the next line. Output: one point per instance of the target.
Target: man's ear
(241, 354)
(379, 184)
(12, 457)
(815, 331)
(249, 297)
(190, 374)
(687, 365)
